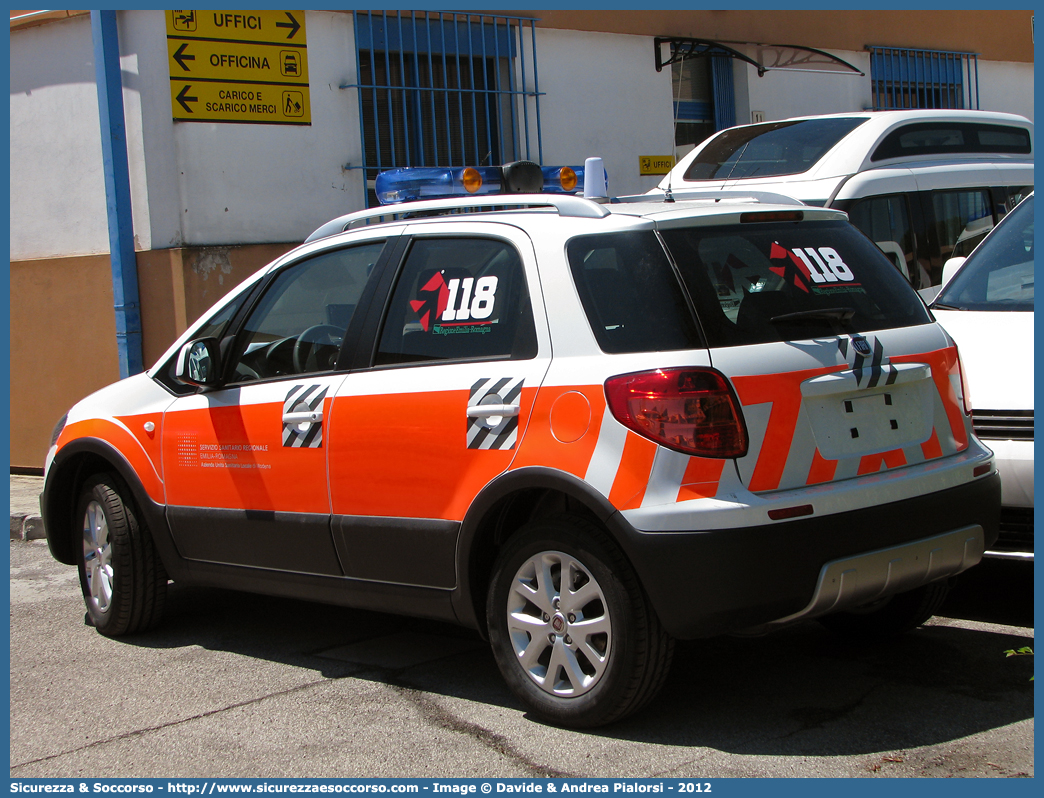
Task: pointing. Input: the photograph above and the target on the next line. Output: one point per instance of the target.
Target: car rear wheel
(890, 616)
(571, 628)
(123, 581)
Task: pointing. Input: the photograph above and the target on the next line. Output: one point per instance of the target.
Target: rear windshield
(748, 284)
(769, 150)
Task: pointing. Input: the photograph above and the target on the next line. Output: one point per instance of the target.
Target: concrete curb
(27, 527)
(26, 523)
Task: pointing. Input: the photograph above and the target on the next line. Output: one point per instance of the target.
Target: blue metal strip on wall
(694, 111)
(105, 35)
(724, 94)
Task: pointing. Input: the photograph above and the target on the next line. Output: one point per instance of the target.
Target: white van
(924, 185)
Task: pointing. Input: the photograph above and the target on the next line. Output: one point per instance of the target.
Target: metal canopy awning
(765, 58)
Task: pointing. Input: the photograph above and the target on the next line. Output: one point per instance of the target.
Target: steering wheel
(308, 343)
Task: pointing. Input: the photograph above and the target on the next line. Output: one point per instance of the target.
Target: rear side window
(459, 299)
(951, 138)
(769, 150)
(630, 293)
(761, 282)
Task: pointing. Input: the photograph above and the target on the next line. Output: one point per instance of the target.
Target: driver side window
(299, 324)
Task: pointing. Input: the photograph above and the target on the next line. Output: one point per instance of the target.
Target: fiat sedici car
(583, 427)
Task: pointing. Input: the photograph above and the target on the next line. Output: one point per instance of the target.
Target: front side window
(300, 322)
(999, 275)
(962, 220)
(760, 282)
(459, 299)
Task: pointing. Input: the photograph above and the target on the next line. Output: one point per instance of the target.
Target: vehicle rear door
(835, 362)
(438, 408)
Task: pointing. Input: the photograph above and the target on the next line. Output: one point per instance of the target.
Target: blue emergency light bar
(437, 182)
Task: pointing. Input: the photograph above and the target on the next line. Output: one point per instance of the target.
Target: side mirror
(950, 268)
(199, 363)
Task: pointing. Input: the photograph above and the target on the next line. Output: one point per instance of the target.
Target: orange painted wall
(63, 328)
(996, 35)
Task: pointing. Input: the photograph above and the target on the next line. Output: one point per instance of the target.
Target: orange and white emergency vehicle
(584, 427)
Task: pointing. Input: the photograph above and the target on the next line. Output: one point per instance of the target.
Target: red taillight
(690, 410)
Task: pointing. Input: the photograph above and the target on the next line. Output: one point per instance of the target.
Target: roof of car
(852, 153)
(505, 207)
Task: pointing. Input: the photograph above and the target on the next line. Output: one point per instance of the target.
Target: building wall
(996, 34)
(63, 328)
(57, 183)
(603, 97)
(63, 334)
(270, 183)
(1006, 86)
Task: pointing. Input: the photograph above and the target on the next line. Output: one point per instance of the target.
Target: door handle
(303, 417)
(489, 411)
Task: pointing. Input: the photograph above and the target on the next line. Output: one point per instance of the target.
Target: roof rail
(767, 197)
(565, 204)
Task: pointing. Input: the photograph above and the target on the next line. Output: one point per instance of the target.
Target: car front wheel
(571, 629)
(123, 581)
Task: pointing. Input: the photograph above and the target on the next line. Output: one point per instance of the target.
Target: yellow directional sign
(217, 102)
(655, 164)
(235, 61)
(267, 27)
(238, 66)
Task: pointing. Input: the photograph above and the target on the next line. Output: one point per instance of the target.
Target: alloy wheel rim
(558, 624)
(97, 556)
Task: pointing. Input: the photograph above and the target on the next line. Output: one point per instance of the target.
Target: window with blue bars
(445, 89)
(905, 78)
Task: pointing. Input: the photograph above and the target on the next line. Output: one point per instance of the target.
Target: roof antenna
(667, 195)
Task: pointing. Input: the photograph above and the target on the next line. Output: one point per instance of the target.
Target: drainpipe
(117, 190)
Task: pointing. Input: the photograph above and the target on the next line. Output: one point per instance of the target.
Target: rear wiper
(838, 317)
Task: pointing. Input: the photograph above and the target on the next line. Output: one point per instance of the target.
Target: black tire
(614, 673)
(892, 616)
(123, 581)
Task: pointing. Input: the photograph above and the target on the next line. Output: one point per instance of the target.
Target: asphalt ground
(237, 685)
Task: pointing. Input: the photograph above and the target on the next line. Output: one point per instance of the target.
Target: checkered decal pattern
(866, 359)
(505, 434)
(300, 398)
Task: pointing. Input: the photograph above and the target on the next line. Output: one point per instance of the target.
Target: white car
(923, 184)
(987, 306)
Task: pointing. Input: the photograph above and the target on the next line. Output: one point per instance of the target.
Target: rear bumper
(717, 581)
